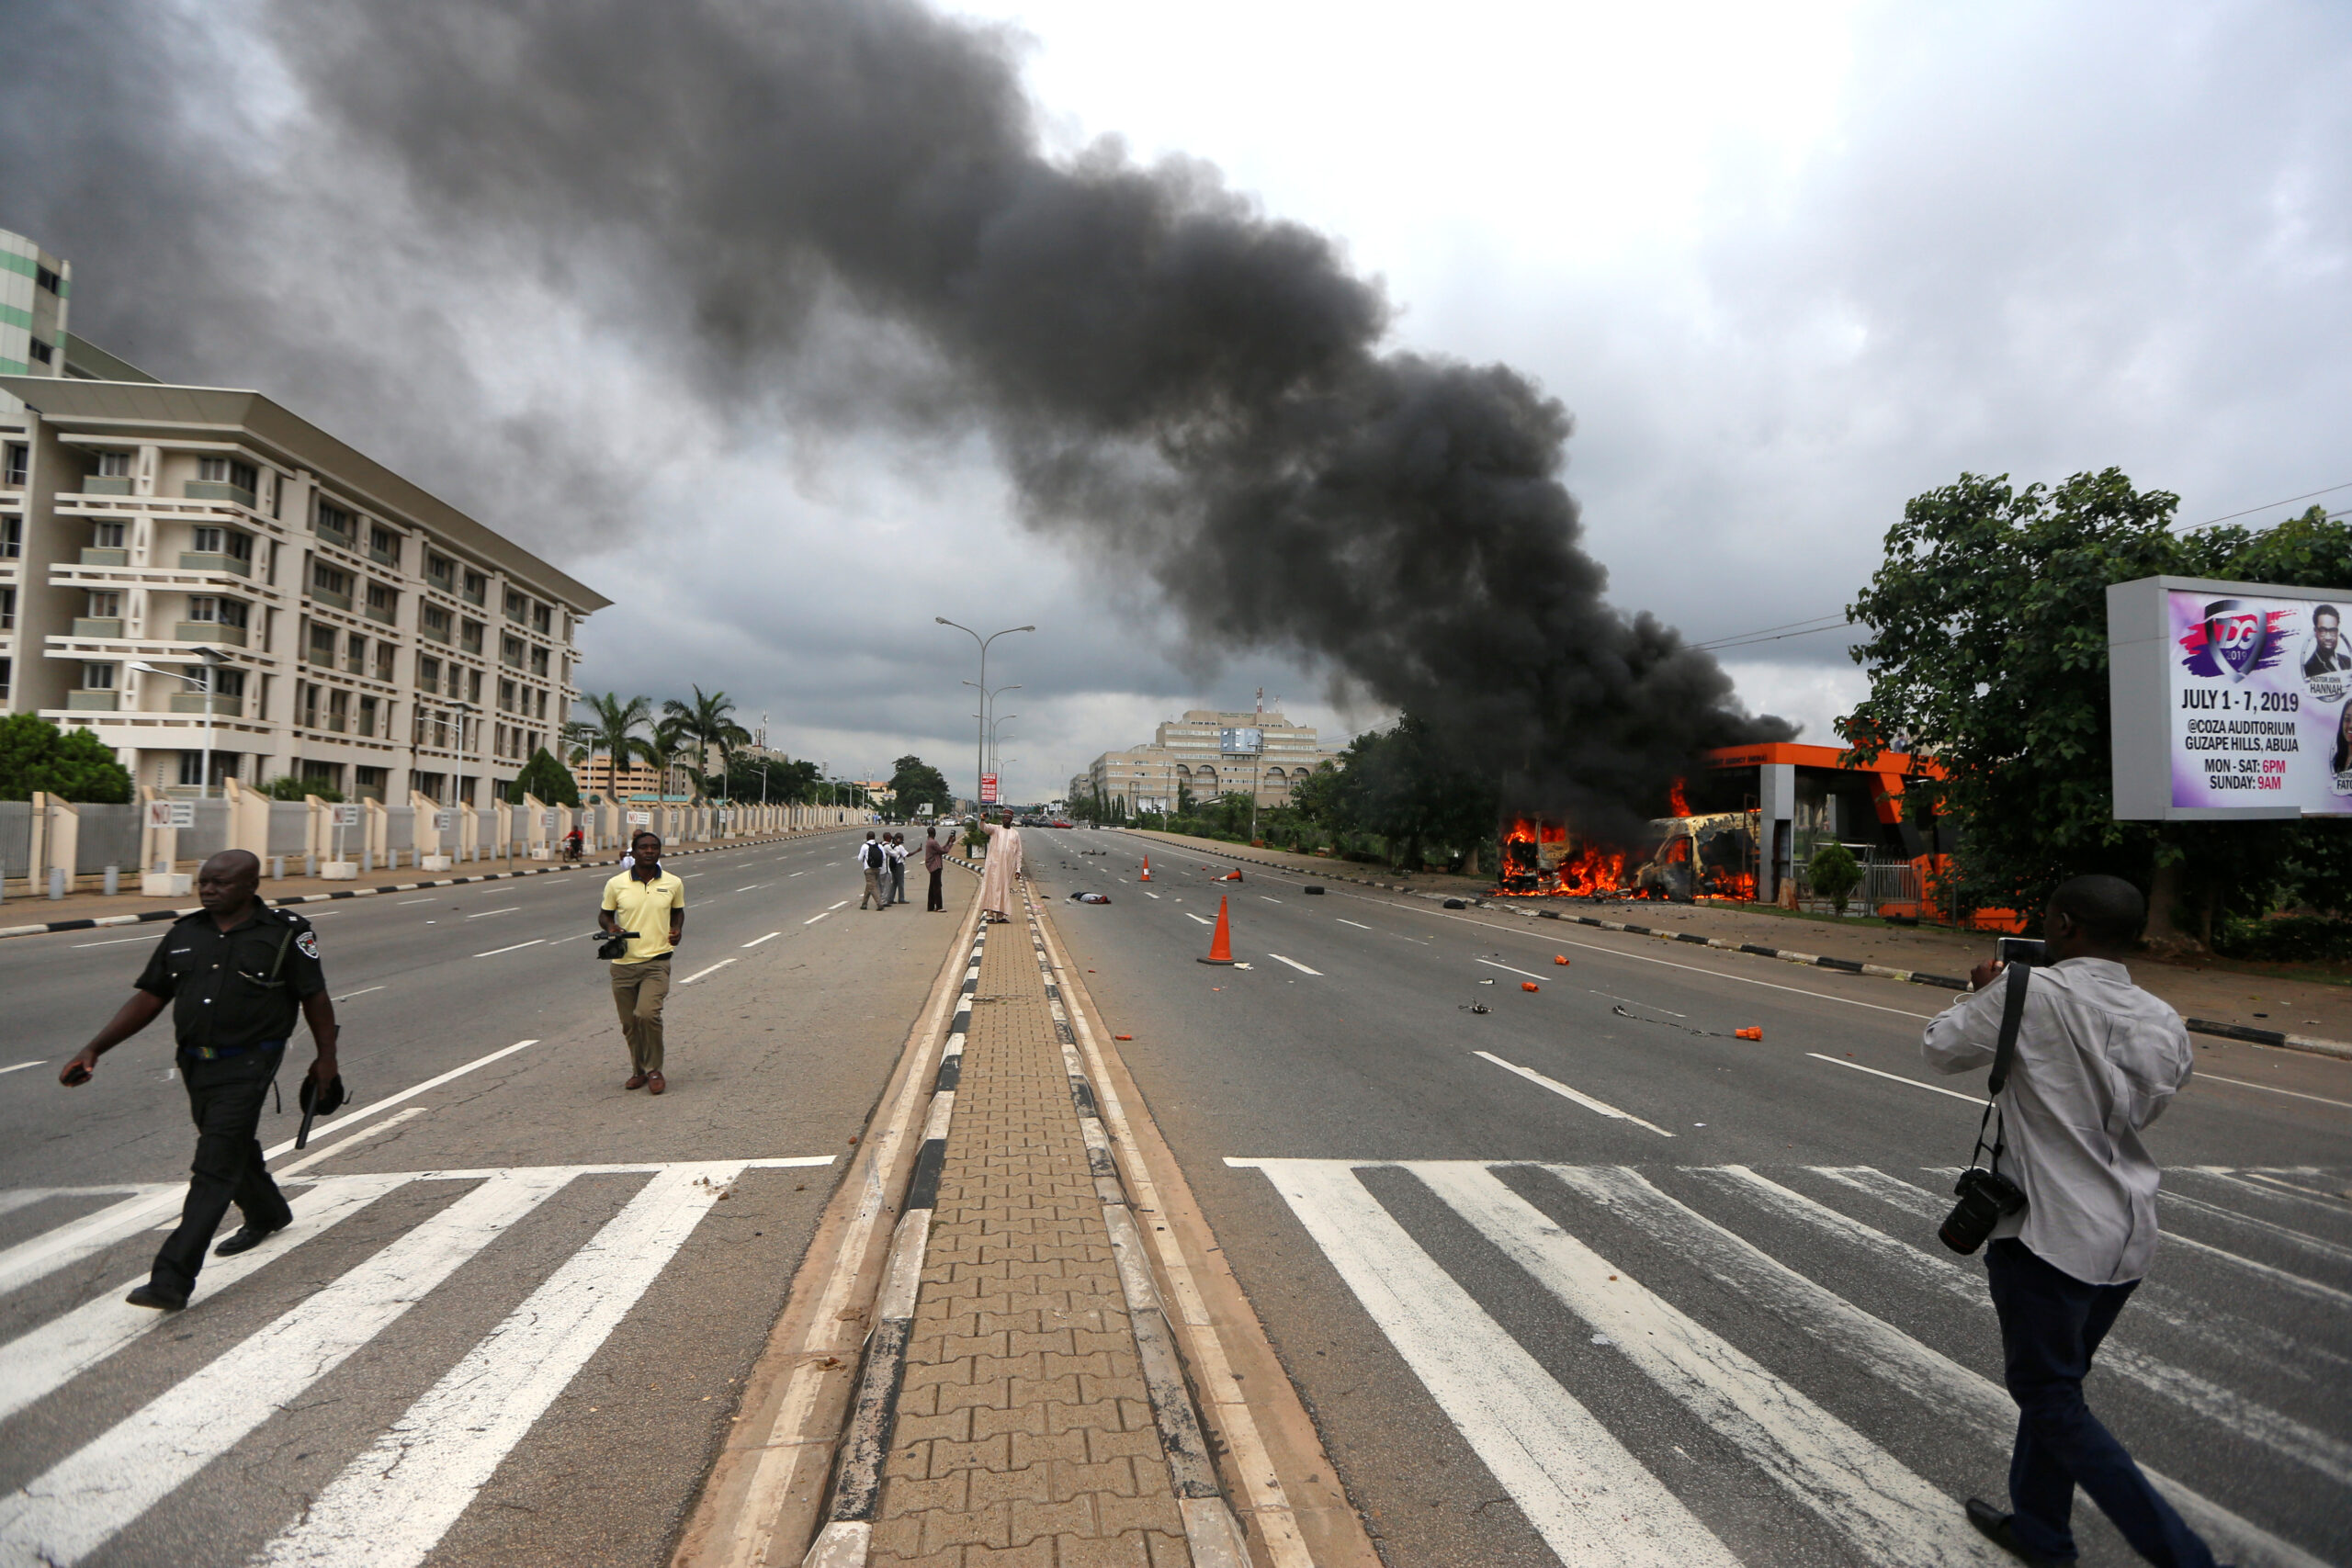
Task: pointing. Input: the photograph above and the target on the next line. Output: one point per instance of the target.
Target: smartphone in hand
(74, 1076)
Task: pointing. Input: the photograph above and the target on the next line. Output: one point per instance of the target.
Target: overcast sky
(1787, 266)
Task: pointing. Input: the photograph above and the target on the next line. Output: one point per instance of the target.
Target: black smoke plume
(1169, 376)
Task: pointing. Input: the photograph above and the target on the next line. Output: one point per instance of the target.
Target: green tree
(708, 723)
(916, 784)
(664, 748)
(1402, 784)
(71, 764)
(611, 727)
(1834, 874)
(547, 780)
(1986, 648)
(286, 786)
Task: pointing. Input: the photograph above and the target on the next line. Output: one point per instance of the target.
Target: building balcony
(215, 560)
(93, 702)
(330, 599)
(96, 626)
(384, 612)
(209, 631)
(473, 599)
(93, 554)
(217, 489)
(433, 634)
(220, 706)
(339, 540)
(383, 557)
(107, 484)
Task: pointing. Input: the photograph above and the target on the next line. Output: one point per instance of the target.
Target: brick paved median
(1025, 1431)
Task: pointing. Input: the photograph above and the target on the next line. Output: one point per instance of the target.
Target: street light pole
(212, 661)
(981, 745)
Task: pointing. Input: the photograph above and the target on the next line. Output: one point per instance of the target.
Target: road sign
(552, 819)
(640, 819)
(1240, 743)
(171, 814)
(924, 810)
(345, 815)
(987, 789)
(444, 819)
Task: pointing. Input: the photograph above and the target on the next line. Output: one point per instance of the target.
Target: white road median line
(390, 1506)
(361, 992)
(1590, 1500)
(1148, 893)
(1509, 970)
(1203, 918)
(1888, 1513)
(1896, 1077)
(843, 905)
(59, 1350)
(1600, 1106)
(1358, 924)
(81, 1502)
(814, 919)
(1294, 964)
(516, 948)
(16, 1067)
(2270, 1088)
(757, 939)
(796, 873)
(487, 913)
(700, 972)
(1897, 1361)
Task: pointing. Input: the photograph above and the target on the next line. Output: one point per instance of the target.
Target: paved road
(1590, 1246)
(510, 1322)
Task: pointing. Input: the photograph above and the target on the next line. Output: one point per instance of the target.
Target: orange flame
(1675, 798)
(1592, 872)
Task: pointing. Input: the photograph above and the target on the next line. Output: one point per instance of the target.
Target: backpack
(872, 856)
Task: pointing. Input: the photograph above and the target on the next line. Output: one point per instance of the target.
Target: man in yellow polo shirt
(651, 902)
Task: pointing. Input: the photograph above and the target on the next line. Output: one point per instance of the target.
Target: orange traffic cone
(1147, 869)
(1221, 942)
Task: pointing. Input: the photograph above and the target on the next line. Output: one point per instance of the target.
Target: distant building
(1185, 757)
(331, 621)
(638, 779)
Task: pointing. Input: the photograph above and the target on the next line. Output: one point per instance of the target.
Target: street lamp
(981, 742)
(996, 749)
(213, 660)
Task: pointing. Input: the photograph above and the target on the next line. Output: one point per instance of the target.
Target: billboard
(1240, 743)
(987, 789)
(2228, 700)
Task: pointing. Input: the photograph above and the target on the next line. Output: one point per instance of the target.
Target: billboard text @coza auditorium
(2229, 699)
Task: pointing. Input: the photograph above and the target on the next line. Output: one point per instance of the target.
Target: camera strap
(2019, 977)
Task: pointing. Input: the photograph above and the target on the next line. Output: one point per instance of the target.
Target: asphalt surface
(501, 1349)
(1723, 1309)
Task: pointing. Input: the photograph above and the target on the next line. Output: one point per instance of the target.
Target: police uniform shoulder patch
(309, 943)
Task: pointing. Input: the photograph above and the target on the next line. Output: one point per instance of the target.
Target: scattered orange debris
(1559, 958)
(1528, 986)
(1755, 1033)
(1123, 1037)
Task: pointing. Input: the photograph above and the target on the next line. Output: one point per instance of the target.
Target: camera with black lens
(614, 946)
(1986, 1197)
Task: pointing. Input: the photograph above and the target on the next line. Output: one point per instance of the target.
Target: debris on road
(1561, 959)
(1528, 986)
(1089, 897)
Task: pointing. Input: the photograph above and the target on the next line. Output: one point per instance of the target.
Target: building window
(114, 465)
(204, 607)
(540, 662)
(97, 677)
(543, 707)
(335, 521)
(104, 606)
(355, 656)
(384, 545)
(382, 602)
(325, 579)
(367, 783)
(44, 278)
(15, 463)
(229, 471)
(338, 711)
(469, 636)
(327, 773)
(442, 572)
(224, 542)
(428, 674)
(385, 651)
(507, 696)
(11, 538)
(323, 645)
(477, 588)
(7, 609)
(510, 652)
(473, 687)
(7, 675)
(367, 725)
(518, 609)
(436, 623)
(308, 701)
(542, 620)
(41, 351)
(107, 535)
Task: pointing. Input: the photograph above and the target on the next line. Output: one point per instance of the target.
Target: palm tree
(707, 722)
(669, 742)
(614, 730)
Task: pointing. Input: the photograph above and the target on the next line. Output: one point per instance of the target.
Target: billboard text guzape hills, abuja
(2229, 699)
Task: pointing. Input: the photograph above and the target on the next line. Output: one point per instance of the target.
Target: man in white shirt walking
(2097, 1060)
(874, 861)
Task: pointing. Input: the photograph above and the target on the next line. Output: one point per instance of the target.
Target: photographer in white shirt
(2097, 1059)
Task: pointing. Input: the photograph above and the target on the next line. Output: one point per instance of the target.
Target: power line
(1783, 637)
(2269, 504)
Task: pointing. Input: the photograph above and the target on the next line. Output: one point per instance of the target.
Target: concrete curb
(145, 917)
(2272, 1037)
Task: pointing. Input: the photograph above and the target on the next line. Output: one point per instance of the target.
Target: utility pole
(981, 748)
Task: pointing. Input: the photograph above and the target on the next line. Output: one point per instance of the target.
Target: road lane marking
(1632, 1003)
(516, 948)
(1509, 970)
(1203, 918)
(753, 888)
(1894, 1359)
(113, 941)
(392, 1504)
(361, 992)
(1148, 893)
(1358, 924)
(796, 873)
(1897, 1077)
(49, 1357)
(700, 972)
(406, 902)
(487, 913)
(2266, 1089)
(1883, 1507)
(814, 919)
(1270, 900)
(757, 939)
(1588, 1498)
(1294, 964)
(843, 905)
(17, 1068)
(353, 1142)
(1600, 1107)
(85, 1499)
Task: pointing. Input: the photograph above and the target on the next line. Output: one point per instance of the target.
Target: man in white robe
(1004, 865)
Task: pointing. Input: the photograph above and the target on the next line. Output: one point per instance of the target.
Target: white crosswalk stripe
(394, 1501)
(1580, 1485)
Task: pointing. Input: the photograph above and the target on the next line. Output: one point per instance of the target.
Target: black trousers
(937, 902)
(2050, 1326)
(898, 881)
(225, 1099)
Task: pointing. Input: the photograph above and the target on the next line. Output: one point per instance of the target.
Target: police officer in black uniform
(234, 974)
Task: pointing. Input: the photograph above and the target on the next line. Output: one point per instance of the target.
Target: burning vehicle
(1710, 855)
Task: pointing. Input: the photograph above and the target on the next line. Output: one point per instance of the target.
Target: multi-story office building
(193, 569)
(638, 779)
(1185, 757)
(34, 288)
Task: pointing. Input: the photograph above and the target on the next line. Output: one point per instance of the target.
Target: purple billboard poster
(2258, 717)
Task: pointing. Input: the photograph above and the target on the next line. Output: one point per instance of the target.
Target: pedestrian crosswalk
(1791, 1315)
(393, 1502)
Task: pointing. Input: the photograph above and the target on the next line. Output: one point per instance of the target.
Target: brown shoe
(636, 1080)
(654, 1084)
